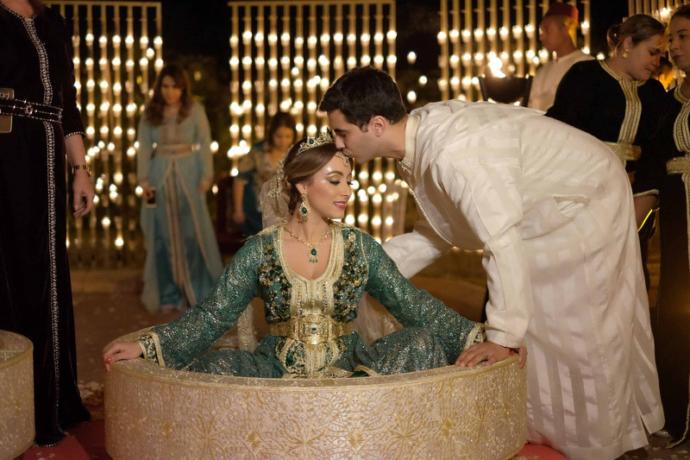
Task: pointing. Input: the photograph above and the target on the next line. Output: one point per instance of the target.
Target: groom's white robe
(552, 209)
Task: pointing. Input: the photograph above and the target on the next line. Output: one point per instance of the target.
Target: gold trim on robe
(624, 148)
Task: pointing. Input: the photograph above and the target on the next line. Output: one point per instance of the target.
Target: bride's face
(329, 189)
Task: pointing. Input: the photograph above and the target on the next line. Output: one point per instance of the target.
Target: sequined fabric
(433, 334)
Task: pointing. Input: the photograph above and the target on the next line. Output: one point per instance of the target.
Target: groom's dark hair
(362, 93)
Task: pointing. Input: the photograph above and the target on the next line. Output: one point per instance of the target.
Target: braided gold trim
(633, 105)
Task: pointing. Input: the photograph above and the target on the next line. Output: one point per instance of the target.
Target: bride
(311, 273)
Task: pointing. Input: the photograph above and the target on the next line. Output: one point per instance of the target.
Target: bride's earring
(303, 210)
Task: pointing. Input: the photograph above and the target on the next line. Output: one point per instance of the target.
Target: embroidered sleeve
(194, 332)
(414, 307)
(476, 335)
(151, 349)
(75, 133)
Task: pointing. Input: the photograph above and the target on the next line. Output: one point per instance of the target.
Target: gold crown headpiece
(312, 142)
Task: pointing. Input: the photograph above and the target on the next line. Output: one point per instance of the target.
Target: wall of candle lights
(117, 51)
(284, 55)
(501, 35)
(660, 9)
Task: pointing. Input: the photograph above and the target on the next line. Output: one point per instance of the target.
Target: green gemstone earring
(303, 215)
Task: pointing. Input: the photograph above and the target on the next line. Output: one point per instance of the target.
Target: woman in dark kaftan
(617, 100)
(311, 285)
(40, 123)
(663, 179)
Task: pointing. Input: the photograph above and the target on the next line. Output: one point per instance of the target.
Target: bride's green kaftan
(310, 329)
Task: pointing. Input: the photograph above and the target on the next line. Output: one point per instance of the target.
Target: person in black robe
(39, 125)
(662, 179)
(617, 100)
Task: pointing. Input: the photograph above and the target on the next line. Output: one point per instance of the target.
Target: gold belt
(312, 329)
(681, 165)
(626, 152)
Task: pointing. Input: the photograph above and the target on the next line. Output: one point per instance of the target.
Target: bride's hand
(488, 352)
(119, 351)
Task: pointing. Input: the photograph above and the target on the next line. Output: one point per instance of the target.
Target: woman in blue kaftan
(175, 170)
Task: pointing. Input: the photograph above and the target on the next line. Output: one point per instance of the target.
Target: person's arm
(177, 343)
(73, 129)
(203, 137)
(481, 173)
(144, 152)
(414, 251)
(82, 187)
(414, 307)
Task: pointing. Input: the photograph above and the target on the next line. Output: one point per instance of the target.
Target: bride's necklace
(313, 252)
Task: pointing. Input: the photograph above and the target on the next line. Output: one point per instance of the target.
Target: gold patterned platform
(17, 395)
(447, 413)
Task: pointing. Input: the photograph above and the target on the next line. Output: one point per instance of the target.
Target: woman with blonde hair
(175, 170)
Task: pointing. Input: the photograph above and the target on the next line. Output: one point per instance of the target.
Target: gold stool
(17, 428)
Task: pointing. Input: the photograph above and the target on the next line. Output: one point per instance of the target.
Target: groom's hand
(490, 353)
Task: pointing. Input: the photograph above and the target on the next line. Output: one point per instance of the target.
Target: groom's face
(354, 141)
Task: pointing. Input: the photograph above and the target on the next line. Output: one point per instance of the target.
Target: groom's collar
(410, 142)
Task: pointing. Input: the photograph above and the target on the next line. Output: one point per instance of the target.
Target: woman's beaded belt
(175, 149)
(626, 152)
(312, 329)
(681, 165)
(31, 110)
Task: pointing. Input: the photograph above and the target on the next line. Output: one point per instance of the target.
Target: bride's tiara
(312, 142)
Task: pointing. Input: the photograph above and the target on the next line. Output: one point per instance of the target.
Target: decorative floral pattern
(447, 413)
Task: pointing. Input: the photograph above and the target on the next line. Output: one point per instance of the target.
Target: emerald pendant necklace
(313, 252)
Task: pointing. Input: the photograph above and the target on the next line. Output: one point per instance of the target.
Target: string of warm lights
(660, 9)
(117, 50)
(284, 55)
(499, 34)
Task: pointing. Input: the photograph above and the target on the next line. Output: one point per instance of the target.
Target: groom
(552, 210)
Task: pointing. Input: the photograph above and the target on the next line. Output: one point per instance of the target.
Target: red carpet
(85, 441)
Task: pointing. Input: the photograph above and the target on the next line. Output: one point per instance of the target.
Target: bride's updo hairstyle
(304, 159)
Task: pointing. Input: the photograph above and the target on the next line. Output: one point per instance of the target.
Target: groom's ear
(378, 125)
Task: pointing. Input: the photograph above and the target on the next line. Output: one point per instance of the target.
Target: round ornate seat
(17, 400)
(441, 413)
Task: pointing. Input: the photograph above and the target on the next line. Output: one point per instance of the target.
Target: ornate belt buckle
(312, 330)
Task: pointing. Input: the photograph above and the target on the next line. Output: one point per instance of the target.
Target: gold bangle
(85, 167)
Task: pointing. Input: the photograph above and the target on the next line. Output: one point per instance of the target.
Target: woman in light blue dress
(175, 170)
